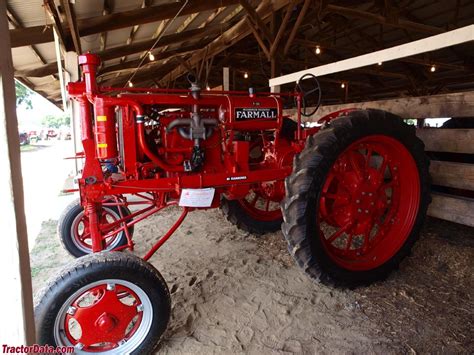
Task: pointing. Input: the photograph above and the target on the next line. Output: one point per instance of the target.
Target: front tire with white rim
(73, 228)
(104, 303)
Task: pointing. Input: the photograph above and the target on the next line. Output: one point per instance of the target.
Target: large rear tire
(356, 199)
(112, 303)
(252, 215)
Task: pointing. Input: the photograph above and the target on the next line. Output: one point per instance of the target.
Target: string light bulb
(433, 68)
(317, 50)
(246, 75)
(379, 63)
(208, 87)
(151, 56)
(343, 85)
(130, 84)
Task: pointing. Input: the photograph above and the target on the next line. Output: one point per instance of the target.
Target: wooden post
(72, 69)
(17, 322)
(275, 60)
(225, 79)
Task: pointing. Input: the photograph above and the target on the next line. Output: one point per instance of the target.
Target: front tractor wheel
(356, 199)
(107, 303)
(73, 228)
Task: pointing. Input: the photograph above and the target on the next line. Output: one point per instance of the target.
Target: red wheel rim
(261, 207)
(369, 203)
(105, 316)
(80, 231)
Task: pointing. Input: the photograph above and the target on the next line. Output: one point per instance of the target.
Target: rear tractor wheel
(258, 213)
(356, 199)
(107, 303)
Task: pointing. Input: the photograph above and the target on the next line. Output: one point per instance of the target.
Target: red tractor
(353, 195)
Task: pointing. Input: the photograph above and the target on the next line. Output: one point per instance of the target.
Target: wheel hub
(104, 318)
(106, 322)
(361, 202)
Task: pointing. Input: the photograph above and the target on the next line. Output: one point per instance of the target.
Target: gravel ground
(235, 293)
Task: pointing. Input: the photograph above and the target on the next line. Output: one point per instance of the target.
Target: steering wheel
(313, 90)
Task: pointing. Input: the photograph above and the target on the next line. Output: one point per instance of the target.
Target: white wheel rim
(128, 346)
(75, 226)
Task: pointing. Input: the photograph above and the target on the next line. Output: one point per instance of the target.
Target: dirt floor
(236, 293)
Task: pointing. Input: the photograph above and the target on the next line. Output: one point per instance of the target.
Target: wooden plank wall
(446, 105)
(457, 176)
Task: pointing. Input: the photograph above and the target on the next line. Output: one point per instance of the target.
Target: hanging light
(130, 84)
(151, 56)
(317, 50)
(433, 68)
(379, 63)
(343, 85)
(246, 75)
(208, 87)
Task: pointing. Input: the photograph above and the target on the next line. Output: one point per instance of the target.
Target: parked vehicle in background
(24, 139)
(64, 133)
(49, 133)
(33, 136)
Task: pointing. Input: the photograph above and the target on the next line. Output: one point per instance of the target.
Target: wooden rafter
(72, 24)
(198, 33)
(352, 52)
(134, 30)
(13, 19)
(137, 47)
(298, 22)
(259, 39)
(187, 21)
(282, 28)
(99, 24)
(401, 23)
(451, 38)
(108, 8)
(132, 64)
(53, 13)
(257, 20)
(228, 38)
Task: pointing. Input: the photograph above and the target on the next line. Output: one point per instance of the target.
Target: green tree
(23, 95)
(56, 121)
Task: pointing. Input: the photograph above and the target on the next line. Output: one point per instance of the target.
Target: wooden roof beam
(257, 20)
(401, 23)
(98, 24)
(296, 27)
(413, 60)
(134, 30)
(72, 24)
(432, 43)
(198, 33)
(38, 72)
(142, 76)
(282, 28)
(259, 39)
(120, 51)
(50, 7)
(108, 8)
(228, 38)
(132, 64)
(13, 19)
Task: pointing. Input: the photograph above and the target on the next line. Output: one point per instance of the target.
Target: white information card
(197, 197)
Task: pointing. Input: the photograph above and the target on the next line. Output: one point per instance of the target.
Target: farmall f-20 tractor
(350, 197)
